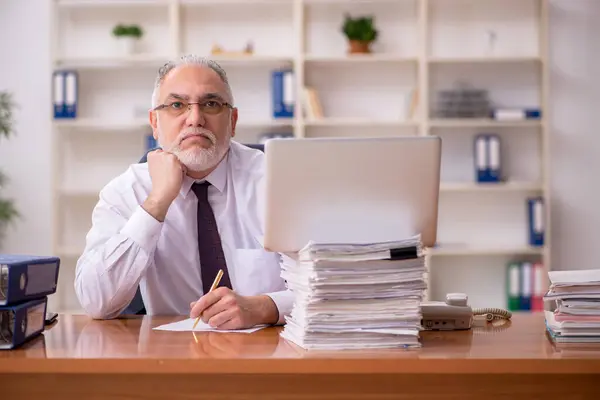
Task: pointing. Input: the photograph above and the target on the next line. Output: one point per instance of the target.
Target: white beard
(199, 159)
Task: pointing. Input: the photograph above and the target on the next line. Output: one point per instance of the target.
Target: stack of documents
(355, 296)
(576, 318)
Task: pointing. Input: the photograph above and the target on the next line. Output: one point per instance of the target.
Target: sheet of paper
(187, 324)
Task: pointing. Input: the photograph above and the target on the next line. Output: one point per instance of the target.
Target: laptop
(351, 190)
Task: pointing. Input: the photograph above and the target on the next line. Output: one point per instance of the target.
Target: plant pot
(127, 45)
(358, 46)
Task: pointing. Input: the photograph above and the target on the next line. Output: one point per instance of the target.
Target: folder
(516, 114)
(282, 86)
(58, 89)
(494, 171)
(526, 286)
(539, 287)
(21, 322)
(536, 221)
(513, 286)
(71, 94)
(481, 158)
(24, 278)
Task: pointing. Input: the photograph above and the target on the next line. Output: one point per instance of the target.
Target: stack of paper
(350, 296)
(576, 318)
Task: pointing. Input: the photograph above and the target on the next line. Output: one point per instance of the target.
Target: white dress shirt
(126, 246)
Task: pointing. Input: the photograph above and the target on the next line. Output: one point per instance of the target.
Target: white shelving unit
(423, 45)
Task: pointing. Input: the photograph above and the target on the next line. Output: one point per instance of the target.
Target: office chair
(136, 306)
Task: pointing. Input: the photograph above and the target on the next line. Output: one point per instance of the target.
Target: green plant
(128, 30)
(8, 211)
(361, 29)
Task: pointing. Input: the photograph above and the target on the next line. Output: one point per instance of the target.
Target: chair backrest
(137, 307)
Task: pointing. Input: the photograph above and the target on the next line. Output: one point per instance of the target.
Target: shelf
(85, 193)
(111, 3)
(70, 252)
(251, 59)
(342, 122)
(92, 124)
(490, 187)
(483, 60)
(138, 61)
(234, 2)
(464, 250)
(358, 58)
(323, 2)
(482, 123)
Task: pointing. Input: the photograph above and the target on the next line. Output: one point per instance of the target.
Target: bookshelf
(423, 45)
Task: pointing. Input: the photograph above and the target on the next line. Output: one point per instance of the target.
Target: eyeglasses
(177, 108)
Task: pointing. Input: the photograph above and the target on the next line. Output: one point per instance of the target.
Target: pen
(213, 287)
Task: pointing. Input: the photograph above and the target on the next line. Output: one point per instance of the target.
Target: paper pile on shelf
(355, 296)
(576, 318)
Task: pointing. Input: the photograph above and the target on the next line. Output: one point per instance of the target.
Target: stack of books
(576, 317)
(356, 296)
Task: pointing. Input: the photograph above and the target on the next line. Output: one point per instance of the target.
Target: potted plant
(360, 33)
(8, 211)
(127, 37)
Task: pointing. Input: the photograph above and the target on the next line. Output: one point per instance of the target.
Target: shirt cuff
(284, 301)
(143, 229)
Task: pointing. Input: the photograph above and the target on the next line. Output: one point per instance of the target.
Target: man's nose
(195, 117)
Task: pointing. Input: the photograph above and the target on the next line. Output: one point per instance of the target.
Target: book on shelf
(311, 103)
(576, 316)
(282, 86)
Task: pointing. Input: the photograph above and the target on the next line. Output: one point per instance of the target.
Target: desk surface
(78, 344)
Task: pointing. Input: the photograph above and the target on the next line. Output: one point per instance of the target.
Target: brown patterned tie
(212, 258)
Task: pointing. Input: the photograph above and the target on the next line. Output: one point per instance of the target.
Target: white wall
(25, 158)
(24, 70)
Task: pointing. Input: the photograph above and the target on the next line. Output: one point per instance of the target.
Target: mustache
(197, 132)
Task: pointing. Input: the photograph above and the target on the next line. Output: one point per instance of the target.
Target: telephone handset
(455, 313)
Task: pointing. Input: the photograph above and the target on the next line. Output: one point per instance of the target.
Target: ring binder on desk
(25, 278)
(21, 322)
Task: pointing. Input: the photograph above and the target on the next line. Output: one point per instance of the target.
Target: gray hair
(189, 59)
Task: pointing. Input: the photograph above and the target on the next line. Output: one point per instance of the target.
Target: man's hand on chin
(224, 309)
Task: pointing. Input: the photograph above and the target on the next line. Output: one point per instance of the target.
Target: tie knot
(201, 190)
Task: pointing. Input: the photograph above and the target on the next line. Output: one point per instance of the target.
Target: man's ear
(234, 118)
(153, 123)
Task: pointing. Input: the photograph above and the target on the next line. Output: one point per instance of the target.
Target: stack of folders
(576, 318)
(355, 296)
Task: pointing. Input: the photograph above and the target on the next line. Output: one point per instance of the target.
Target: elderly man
(195, 207)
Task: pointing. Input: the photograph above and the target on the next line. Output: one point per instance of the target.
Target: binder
(539, 286)
(516, 114)
(526, 286)
(481, 158)
(494, 171)
(21, 322)
(282, 86)
(536, 222)
(71, 94)
(24, 278)
(58, 88)
(513, 286)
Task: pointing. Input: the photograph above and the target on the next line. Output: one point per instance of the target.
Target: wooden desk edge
(300, 366)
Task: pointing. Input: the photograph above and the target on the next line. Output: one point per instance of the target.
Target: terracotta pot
(357, 46)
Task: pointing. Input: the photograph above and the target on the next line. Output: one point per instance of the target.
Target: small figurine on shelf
(219, 50)
(127, 37)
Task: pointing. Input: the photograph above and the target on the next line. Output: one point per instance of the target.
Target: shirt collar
(217, 178)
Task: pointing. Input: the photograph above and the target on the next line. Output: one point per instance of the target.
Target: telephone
(456, 314)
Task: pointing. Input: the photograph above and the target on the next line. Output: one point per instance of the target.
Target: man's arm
(119, 249)
(284, 301)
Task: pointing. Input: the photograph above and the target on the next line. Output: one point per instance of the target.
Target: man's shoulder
(247, 162)
(136, 177)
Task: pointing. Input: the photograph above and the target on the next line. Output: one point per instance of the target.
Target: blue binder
(66, 94)
(536, 222)
(22, 322)
(282, 86)
(494, 168)
(24, 278)
(58, 92)
(480, 158)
